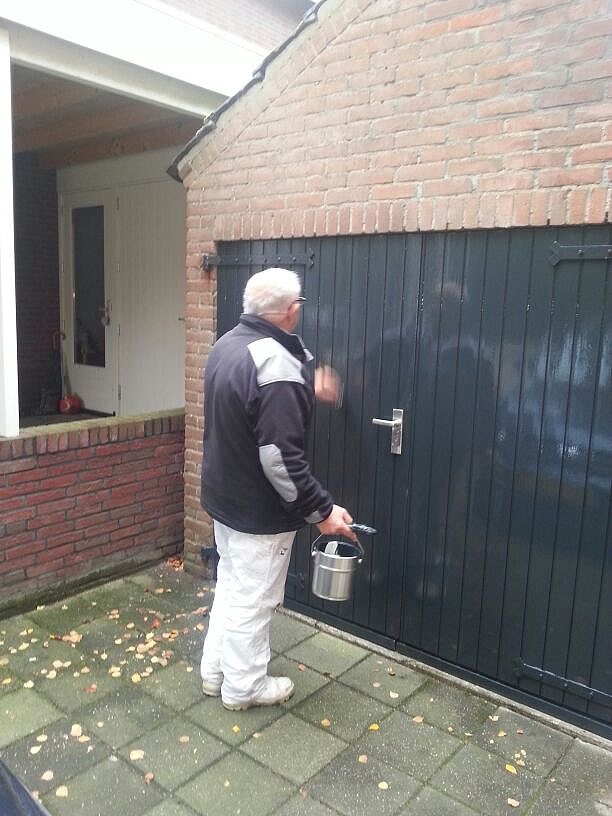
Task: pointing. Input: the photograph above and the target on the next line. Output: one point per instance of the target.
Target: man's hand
(337, 523)
(327, 385)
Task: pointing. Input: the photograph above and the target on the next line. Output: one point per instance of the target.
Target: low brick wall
(83, 499)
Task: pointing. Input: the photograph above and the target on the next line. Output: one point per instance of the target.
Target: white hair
(271, 291)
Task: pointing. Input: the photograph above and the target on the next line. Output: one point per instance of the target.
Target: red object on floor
(70, 404)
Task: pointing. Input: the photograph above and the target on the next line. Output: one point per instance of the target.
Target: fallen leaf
(450, 729)
(418, 719)
(41, 738)
(148, 777)
(493, 717)
(51, 675)
(363, 759)
(62, 791)
(501, 733)
(35, 749)
(84, 738)
(326, 723)
(129, 625)
(7, 681)
(4, 661)
(390, 671)
(226, 784)
(301, 667)
(159, 590)
(91, 689)
(256, 735)
(393, 695)
(511, 769)
(185, 738)
(47, 776)
(76, 730)
(118, 641)
(374, 727)
(467, 734)
(136, 753)
(519, 731)
(375, 685)
(513, 803)
(136, 678)
(383, 785)
(57, 664)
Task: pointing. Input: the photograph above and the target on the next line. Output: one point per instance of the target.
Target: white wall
(148, 291)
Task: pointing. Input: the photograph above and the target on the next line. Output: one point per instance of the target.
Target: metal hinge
(587, 252)
(522, 669)
(294, 259)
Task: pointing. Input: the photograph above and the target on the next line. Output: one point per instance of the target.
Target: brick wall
(402, 115)
(36, 276)
(73, 502)
(264, 22)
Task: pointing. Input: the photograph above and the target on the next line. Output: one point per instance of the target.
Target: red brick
(578, 175)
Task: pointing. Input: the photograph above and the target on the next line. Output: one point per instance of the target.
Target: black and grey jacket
(258, 400)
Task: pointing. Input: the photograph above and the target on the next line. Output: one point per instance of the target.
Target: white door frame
(96, 386)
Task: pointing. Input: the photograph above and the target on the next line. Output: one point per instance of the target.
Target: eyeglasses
(300, 300)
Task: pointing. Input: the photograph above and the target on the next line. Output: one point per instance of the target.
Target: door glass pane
(89, 297)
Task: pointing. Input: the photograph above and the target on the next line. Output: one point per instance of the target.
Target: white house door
(88, 263)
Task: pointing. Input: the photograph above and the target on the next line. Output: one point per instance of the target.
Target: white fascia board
(52, 56)
(146, 36)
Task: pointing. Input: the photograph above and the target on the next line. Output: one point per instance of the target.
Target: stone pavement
(101, 713)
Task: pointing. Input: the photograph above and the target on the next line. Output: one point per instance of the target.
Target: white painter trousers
(251, 577)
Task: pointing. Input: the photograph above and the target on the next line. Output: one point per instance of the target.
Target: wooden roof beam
(170, 134)
(89, 126)
(50, 97)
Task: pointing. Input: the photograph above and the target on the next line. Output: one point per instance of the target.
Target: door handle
(396, 424)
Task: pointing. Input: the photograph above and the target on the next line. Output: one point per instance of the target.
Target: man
(257, 484)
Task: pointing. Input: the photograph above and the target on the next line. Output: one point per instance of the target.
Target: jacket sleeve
(280, 433)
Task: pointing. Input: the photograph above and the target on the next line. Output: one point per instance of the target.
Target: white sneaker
(276, 690)
(211, 688)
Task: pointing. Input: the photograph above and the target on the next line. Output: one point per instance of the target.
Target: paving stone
(300, 805)
(417, 749)
(23, 712)
(69, 692)
(554, 800)
(15, 629)
(479, 780)
(171, 758)
(372, 677)
(588, 768)
(126, 714)
(349, 712)
(542, 745)
(169, 808)
(100, 636)
(233, 785)
(306, 680)
(432, 803)
(286, 632)
(9, 681)
(190, 640)
(352, 787)
(59, 618)
(60, 752)
(119, 594)
(34, 662)
(444, 705)
(107, 789)
(327, 654)
(180, 588)
(294, 749)
(175, 686)
(218, 721)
